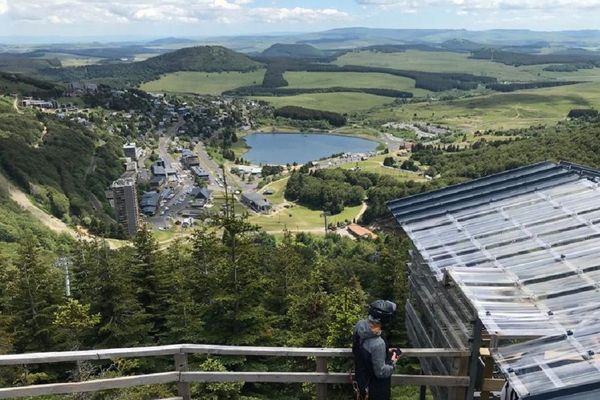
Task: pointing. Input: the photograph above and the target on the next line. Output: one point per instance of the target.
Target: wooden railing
(183, 377)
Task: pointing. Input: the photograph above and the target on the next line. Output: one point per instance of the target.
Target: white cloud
(298, 14)
(182, 11)
(463, 6)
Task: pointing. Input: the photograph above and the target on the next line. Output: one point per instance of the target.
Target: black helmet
(381, 311)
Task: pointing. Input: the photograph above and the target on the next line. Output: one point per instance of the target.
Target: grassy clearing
(297, 218)
(375, 164)
(309, 80)
(500, 110)
(432, 61)
(337, 102)
(213, 83)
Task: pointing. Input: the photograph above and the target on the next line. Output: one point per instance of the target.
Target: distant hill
(23, 63)
(202, 58)
(461, 45)
(171, 40)
(280, 50)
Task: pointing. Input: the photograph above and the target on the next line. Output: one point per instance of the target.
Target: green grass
(204, 83)
(431, 61)
(309, 80)
(375, 164)
(297, 218)
(337, 102)
(500, 110)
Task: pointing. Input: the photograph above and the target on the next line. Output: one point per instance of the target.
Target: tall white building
(126, 205)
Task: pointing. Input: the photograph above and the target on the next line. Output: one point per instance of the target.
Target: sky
(197, 18)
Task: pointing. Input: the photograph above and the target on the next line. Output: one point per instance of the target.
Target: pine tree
(345, 308)
(37, 292)
(147, 272)
(183, 316)
(102, 278)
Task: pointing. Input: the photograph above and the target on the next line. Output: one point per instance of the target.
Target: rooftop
(524, 248)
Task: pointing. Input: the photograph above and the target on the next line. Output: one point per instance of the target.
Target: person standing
(373, 361)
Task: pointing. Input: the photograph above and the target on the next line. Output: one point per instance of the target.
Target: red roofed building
(361, 232)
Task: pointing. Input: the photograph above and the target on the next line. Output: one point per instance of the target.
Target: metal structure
(520, 252)
(182, 377)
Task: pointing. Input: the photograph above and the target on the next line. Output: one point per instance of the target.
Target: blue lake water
(284, 148)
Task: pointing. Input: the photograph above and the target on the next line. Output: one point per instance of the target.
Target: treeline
(327, 189)
(584, 113)
(241, 288)
(514, 86)
(576, 142)
(568, 67)
(518, 58)
(123, 100)
(262, 91)
(274, 75)
(434, 81)
(28, 86)
(202, 58)
(306, 114)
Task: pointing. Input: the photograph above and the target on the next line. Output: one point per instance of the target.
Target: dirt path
(16, 105)
(362, 211)
(51, 222)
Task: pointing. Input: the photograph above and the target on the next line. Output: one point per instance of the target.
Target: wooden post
(474, 361)
(181, 365)
(422, 392)
(488, 371)
(321, 387)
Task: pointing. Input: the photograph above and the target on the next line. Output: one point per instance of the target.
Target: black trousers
(380, 389)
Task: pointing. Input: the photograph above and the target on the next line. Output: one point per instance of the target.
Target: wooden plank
(89, 386)
(310, 352)
(493, 385)
(65, 356)
(181, 365)
(317, 377)
(54, 357)
(139, 352)
(321, 387)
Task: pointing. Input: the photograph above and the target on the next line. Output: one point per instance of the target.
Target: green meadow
(499, 110)
(439, 61)
(304, 80)
(343, 102)
(213, 83)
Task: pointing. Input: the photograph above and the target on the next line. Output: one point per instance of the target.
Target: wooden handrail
(106, 354)
(182, 377)
(193, 377)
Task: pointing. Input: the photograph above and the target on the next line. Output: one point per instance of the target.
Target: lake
(284, 148)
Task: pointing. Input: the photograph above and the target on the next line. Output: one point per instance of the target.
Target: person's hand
(396, 354)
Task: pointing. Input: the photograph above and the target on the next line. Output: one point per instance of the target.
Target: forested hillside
(203, 58)
(26, 86)
(241, 288)
(64, 166)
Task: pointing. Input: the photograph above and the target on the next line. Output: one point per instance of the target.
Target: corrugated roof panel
(524, 248)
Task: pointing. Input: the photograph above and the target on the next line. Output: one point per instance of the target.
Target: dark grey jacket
(375, 346)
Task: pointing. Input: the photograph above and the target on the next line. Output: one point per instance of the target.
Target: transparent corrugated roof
(524, 248)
